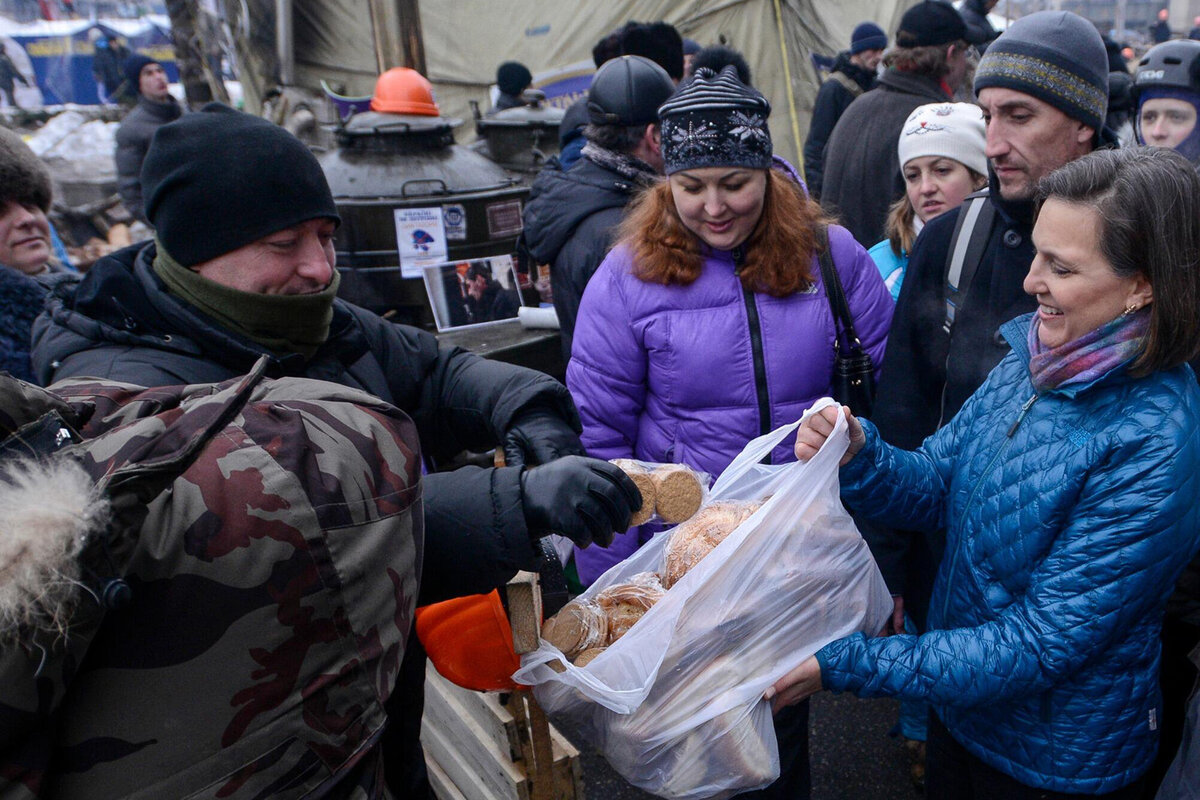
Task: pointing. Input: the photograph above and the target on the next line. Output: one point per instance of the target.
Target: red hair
(778, 253)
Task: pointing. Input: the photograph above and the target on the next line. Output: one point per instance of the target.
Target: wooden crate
(480, 748)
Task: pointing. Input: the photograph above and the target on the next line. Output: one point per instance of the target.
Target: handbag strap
(837, 298)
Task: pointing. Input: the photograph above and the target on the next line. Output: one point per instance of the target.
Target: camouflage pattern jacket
(239, 614)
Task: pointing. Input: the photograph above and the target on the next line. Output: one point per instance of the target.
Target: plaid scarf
(1091, 356)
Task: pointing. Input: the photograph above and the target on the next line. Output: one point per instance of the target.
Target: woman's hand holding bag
(817, 428)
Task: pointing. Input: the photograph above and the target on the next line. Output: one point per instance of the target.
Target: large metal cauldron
(520, 139)
(385, 162)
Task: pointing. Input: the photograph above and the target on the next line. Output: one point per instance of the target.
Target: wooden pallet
(488, 746)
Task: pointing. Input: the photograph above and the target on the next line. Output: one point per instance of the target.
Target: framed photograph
(482, 291)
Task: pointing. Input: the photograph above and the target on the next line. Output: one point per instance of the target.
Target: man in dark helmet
(572, 216)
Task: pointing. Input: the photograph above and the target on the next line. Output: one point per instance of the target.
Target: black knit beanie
(133, 67)
(219, 179)
(715, 120)
(24, 179)
(930, 23)
(1057, 57)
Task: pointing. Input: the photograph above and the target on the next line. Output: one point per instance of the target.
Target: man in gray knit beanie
(1049, 69)
(1043, 86)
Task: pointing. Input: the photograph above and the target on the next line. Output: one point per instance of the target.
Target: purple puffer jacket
(667, 373)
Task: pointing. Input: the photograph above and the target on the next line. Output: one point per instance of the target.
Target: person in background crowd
(707, 325)
(155, 108)
(941, 151)
(1194, 33)
(1167, 92)
(717, 57)
(1121, 107)
(108, 69)
(853, 73)
(980, 31)
(243, 267)
(512, 78)
(935, 361)
(1042, 652)
(8, 74)
(26, 236)
(861, 174)
(1160, 31)
(572, 216)
(655, 41)
(690, 48)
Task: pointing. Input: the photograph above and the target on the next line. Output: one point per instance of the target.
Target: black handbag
(853, 370)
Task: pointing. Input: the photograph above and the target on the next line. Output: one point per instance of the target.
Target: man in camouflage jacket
(243, 268)
(220, 638)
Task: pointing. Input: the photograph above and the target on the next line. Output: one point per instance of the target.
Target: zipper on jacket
(975, 490)
(756, 347)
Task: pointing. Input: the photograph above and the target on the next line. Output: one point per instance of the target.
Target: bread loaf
(644, 482)
(585, 658)
(677, 492)
(697, 537)
(577, 627)
(624, 604)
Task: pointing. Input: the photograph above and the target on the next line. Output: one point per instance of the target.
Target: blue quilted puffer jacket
(1068, 516)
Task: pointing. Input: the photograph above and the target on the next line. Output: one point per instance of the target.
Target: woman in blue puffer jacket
(1067, 486)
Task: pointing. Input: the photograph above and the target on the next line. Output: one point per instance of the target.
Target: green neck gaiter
(297, 323)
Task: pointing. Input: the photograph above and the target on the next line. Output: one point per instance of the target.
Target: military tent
(464, 40)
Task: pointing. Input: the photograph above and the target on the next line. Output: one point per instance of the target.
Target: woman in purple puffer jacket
(708, 324)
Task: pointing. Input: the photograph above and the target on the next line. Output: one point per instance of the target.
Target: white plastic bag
(676, 704)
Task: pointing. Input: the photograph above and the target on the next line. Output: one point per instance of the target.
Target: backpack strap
(846, 81)
(967, 246)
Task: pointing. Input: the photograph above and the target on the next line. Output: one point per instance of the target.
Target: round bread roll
(644, 482)
(677, 492)
(624, 604)
(577, 627)
(585, 658)
(697, 537)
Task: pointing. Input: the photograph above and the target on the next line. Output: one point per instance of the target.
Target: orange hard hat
(401, 90)
(469, 641)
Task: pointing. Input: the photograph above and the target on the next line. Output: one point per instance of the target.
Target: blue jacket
(1068, 517)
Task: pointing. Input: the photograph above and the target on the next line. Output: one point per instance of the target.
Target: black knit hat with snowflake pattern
(715, 120)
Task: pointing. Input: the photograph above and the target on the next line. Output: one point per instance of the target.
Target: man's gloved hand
(584, 499)
(539, 436)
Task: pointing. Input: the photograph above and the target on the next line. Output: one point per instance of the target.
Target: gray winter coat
(133, 140)
(862, 169)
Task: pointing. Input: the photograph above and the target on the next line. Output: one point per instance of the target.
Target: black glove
(539, 436)
(584, 499)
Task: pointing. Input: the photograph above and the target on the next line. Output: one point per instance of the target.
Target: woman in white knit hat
(941, 156)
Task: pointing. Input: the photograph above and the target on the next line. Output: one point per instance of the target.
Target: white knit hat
(950, 130)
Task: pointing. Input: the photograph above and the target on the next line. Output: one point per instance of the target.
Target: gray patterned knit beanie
(1057, 57)
(715, 120)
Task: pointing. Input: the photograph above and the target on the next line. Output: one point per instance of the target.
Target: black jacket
(979, 28)
(833, 99)
(133, 140)
(570, 222)
(120, 323)
(862, 169)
